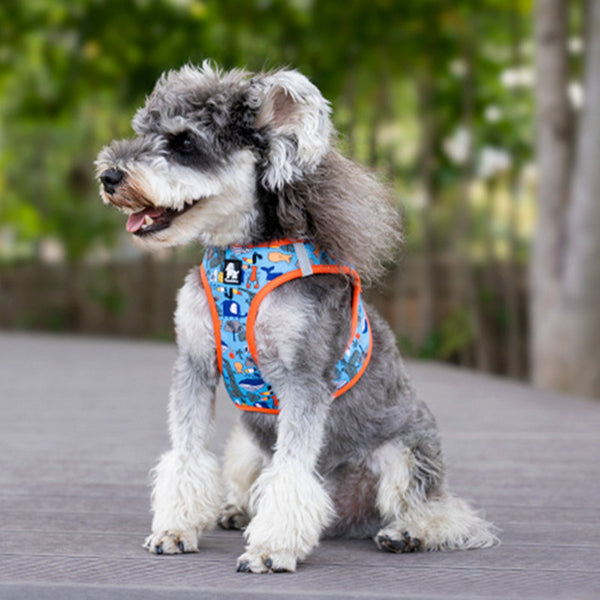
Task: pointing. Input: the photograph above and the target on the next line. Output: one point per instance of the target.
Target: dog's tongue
(136, 220)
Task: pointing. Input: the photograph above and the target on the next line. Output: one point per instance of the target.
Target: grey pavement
(83, 420)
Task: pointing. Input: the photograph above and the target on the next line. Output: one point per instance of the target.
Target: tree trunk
(553, 159)
(464, 285)
(565, 269)
(514, 359)
(513, 345)
(427, 167)
(580, 299)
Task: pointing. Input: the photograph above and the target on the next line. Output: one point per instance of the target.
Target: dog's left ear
(295, 117)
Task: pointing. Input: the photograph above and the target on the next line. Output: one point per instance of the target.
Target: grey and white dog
(232, 158)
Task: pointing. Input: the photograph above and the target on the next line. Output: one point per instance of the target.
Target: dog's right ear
(295, 118)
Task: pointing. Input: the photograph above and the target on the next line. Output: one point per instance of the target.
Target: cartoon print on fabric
(237, 280)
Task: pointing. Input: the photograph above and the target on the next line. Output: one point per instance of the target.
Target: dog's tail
(453, 524)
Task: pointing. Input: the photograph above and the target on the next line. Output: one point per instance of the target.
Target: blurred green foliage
(442, 342)
(405, 79)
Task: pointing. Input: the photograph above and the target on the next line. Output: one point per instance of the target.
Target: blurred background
(475, 112)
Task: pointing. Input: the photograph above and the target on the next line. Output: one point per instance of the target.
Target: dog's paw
(233, 518)
(253, 561)
(172, 541)
(398, 544)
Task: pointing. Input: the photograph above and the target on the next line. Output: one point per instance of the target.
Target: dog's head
(212, 150)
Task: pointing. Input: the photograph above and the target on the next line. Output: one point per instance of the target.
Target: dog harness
(236, 280)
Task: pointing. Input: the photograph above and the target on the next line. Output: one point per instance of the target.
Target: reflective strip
(303, 259)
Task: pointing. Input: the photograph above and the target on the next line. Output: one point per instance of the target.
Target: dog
(246, 165)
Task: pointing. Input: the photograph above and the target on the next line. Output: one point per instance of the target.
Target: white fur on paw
(172, 541)
(290, 509)
(187, 492)
(265, 561)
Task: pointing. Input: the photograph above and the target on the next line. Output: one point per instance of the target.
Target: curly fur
(356, 224)
(238, 158)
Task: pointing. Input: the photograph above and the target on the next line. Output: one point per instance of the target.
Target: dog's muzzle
(110, 180)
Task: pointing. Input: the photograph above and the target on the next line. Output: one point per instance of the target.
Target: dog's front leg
(290, 506)
(187, 490)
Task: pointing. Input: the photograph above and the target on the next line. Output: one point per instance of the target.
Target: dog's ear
(295, 118)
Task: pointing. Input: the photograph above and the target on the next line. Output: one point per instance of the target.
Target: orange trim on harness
(214, 313)
(297, 274)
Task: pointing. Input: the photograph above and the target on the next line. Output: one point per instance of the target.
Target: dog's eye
(182, 143)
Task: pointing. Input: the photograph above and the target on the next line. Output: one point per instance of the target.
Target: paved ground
(82, 421)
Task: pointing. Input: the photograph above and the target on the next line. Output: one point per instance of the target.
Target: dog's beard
(169, 204)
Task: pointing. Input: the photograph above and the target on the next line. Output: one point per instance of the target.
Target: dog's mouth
(150, 220)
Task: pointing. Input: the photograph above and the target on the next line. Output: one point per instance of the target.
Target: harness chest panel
(236, 280)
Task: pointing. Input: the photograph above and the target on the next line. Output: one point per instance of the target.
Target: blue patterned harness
(236, 280)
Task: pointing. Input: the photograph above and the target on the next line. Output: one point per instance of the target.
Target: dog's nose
(110, 179)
